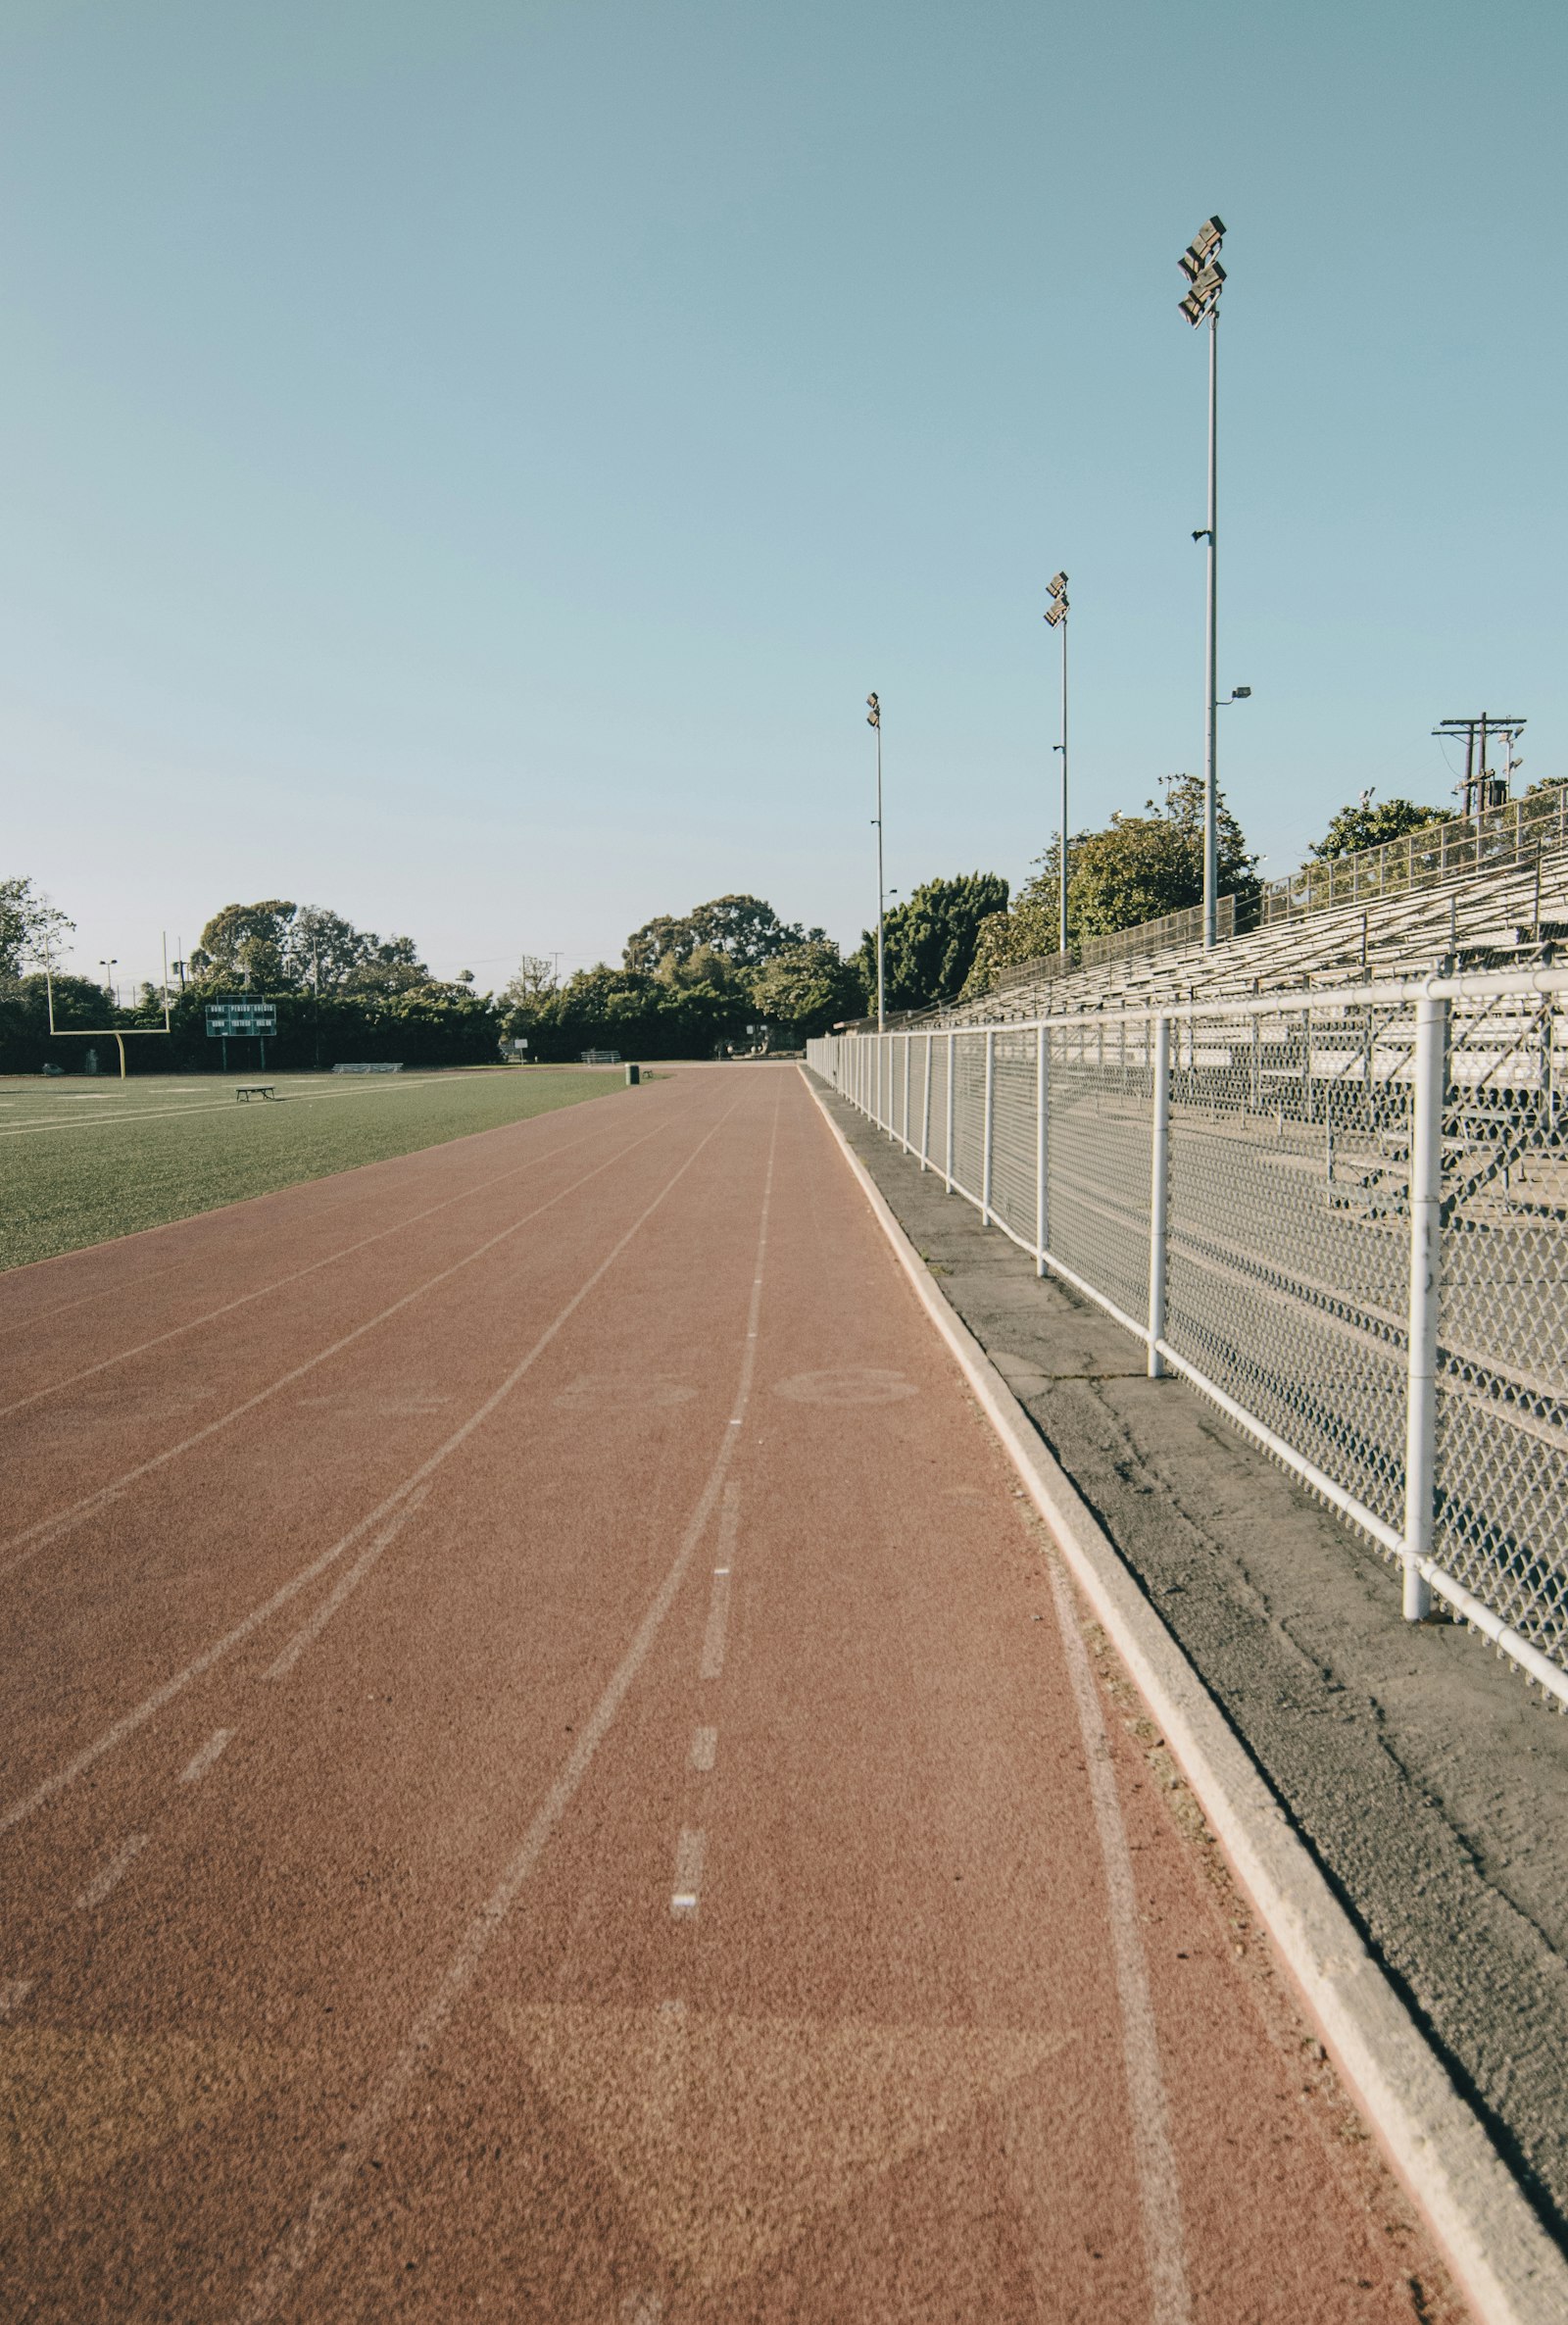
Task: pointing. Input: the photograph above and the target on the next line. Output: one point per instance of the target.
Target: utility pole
(1206, 277)
(1483, 789)
(1057, 618)
(874, 719)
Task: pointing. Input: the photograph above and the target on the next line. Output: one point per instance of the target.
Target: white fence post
(1042, 1146)
(985, 1163)
(953, 1061)
(908, 1037)
(1159, 1196)
(1421, 1386)
(925, 1110)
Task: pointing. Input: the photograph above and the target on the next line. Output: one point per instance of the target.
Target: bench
(249, 1090)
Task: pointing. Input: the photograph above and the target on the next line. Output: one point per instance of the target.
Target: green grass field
(81, 1161)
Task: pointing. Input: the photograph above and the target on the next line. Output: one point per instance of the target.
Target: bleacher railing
(1174, 929)
(1500, 836)
(1339, 1215)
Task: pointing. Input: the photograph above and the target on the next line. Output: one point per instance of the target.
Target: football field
(81, 1161)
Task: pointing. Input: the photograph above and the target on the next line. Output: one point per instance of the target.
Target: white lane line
(195, 1769)
(705, 1749)
(416, 1218)
(33, 1538)
(715, 1636)
(104, 1880)
(271, 2286)
(1154, 2157)
(128, 1725)
(309, 1632)
(13, 1992)
(690, 1851)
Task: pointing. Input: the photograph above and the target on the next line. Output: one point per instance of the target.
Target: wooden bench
(249, 1090)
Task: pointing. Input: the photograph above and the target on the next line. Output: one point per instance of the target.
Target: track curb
(1510, 2269)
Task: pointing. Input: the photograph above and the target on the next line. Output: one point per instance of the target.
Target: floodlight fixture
(1056, 613)
(1057, 587)
(1204, 243)
(1241, 694)
(874, 717)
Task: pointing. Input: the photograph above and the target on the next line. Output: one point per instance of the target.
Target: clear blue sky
(466, 460)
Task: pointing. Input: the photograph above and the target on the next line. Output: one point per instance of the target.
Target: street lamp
(1056, 616)
(106, 967)
(1205, 279)
(874, 719)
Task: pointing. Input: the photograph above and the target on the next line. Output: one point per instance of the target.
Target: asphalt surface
(547, 1773)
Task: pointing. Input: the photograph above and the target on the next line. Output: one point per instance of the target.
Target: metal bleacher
(1504, 905)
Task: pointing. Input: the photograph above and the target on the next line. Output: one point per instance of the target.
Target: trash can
(634, 1074)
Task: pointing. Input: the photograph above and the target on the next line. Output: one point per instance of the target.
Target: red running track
(544, 1776)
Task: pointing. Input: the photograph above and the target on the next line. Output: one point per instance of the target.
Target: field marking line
(110, 1875)
(1154, 2167)
(215, 1745)
(327, 1181)
(372, 1087)
(705, 1750)
(121, 1729)
(1504, 2263)
(297, 1275)
(691, 1851)
(45, 1530)
(288, 2258)
(309, 1632)
(715, 1635)
(1153, 2155)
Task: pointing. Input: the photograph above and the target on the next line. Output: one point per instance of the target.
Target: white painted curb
(1503, 2260)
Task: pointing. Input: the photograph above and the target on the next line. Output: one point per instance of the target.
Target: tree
(532, 982)
(704, 966)
(32, 929)
(279, 947)
(929, 940)
(1365, 825)
(808, 988)
(745, 929)
(324, 950)
(389, 964)
(1137, 870)
(248, 944)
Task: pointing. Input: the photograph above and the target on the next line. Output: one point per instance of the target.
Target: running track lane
(690, 1872)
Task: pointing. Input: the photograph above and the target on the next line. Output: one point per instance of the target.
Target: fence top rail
(1479, 985)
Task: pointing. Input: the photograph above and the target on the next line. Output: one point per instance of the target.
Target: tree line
(729, 975)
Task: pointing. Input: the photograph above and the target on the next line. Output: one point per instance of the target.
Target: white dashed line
(705, 1748)
(714, 1638)
(689, 1854)
(13, 1992)
(194, 1770)
(102, 1883)
(288, 2258)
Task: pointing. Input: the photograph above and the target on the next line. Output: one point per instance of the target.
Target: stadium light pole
(873, 719)
(1205, 279)
(1057, 618)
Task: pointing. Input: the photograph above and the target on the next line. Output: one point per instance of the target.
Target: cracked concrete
(1429, 1782)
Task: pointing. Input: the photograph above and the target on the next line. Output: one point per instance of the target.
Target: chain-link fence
(1341, 1216)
